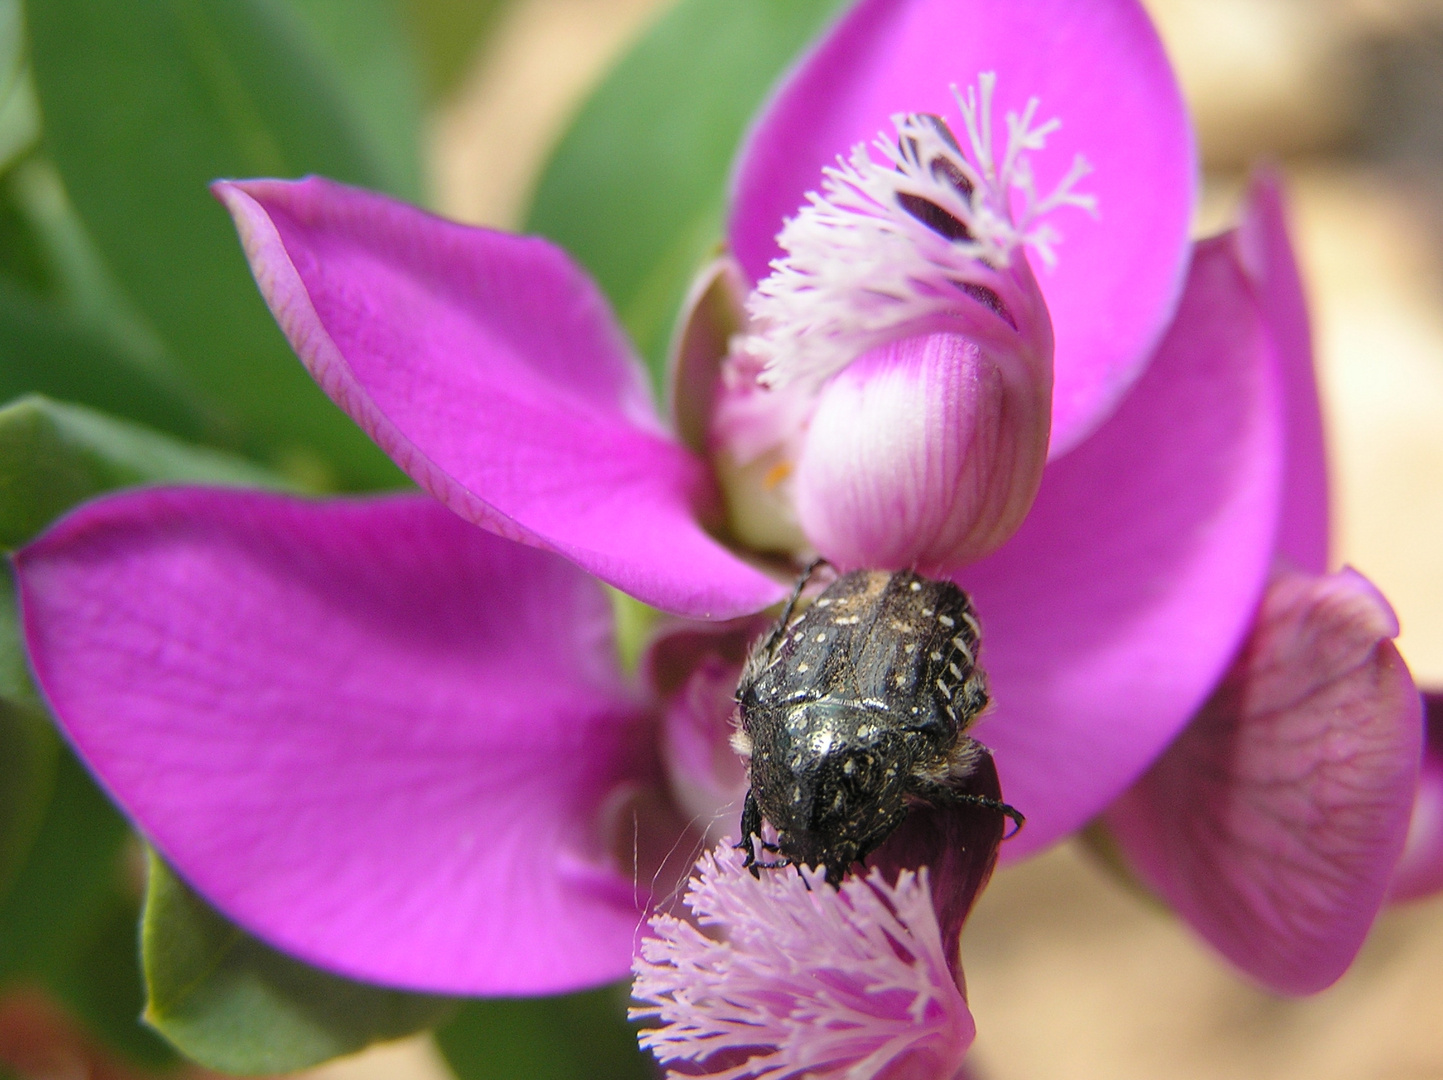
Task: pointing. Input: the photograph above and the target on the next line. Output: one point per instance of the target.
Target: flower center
(894, 242)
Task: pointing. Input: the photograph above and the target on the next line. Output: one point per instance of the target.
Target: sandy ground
(1070, 975)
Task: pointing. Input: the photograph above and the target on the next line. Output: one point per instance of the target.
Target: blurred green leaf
(12, 44)
(53, 456)
(27, 772)
(637, 186)
(46, 349)
(374, 58)
(103, 986)
(449, 34)
(19, 116)
(144, 105)
(77, 273)
(15, 682)
(73, 868)
(575, 1037)
(21, 261)
(231, 1003)
(68, 920)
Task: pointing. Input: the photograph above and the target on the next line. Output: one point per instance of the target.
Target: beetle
(854, 711)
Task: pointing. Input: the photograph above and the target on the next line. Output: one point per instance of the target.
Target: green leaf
(373, 58)
(67, 880)
(22, 261)
(19, 115)
(449, 34)
(15, 683)
(46, 348)
(575, 1037)
(68, 920)
(637, 186)
(76, 272)
(144, 105)
(28, 749)
(53, 456)
(102, 985)
(232, 1003)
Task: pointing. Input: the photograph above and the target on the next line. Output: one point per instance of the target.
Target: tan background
(1070, 976)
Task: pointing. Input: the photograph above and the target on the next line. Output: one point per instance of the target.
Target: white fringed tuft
(859, 264)
(806, 981)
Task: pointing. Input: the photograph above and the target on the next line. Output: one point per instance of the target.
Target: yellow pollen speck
(776, 474)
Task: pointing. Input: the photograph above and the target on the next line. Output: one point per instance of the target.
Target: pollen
(776, 475)
(905, 235)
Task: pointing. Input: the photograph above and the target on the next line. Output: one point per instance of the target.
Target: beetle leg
(751, 829)
(1016, 816)
(935, 793)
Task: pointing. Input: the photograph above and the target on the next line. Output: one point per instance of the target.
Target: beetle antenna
(791, 604)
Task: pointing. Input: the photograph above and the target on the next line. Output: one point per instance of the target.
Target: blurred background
(1070, 975)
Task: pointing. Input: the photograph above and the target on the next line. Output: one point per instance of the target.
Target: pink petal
(1095, 64)
(958, 844)
(693, 669)
(1420, 870)
(1110, 616)
(370, 733)
(490, 368)
(1274, 823)
(1267, 255)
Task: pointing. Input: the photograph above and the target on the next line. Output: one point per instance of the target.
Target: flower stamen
(894, 241)
(802, 979)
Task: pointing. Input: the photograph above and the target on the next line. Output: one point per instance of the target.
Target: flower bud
(890, 402)
(926, 452)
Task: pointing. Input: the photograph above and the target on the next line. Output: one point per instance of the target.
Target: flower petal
(1267, 255)
(1110, 616)
(370, 733)
(692, 669)
(925, 453)
(1420, 870)
(1098, 66)
(1273, 824)
(490, 368)
(958, 844)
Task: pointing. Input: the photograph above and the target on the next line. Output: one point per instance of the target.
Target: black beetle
(856, 710)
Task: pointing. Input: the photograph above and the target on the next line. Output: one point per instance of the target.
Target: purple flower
(399, 747)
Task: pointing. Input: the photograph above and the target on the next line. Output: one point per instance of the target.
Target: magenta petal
(370, 733)
(1095, 64)
(489, 367)
(1274, 823)
(1267, 255)
(1420, 870)
(1110, 616)
(958, 844)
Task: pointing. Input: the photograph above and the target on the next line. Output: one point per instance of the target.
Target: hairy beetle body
(856, 709)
